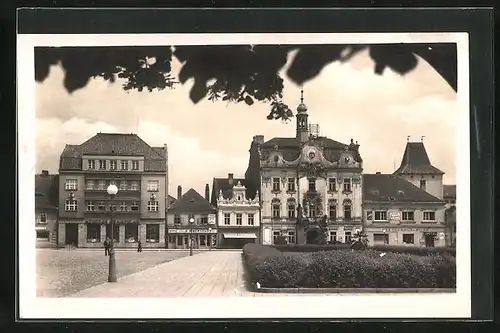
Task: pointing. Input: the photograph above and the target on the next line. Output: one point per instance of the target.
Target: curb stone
(355, 290)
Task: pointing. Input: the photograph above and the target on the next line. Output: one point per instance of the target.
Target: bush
(343, 268)
(311, 247)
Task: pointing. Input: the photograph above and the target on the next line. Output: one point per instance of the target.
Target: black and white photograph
(239, 174)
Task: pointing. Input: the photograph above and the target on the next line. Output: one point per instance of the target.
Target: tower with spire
(302, 131)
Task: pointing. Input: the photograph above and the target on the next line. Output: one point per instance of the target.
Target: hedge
(347, 269)
(382, 248)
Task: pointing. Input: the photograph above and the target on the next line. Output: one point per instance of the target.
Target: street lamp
(210, 239)
(191, 221)
(112, 190)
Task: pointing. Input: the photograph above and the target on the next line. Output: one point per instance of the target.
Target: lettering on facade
(192, 231)
(395, 216)
(409, 229)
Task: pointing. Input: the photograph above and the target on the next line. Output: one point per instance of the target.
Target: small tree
(359, 240)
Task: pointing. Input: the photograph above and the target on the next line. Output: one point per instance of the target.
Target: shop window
(131, 232)
(93, 233)
(381, 239)
(152, 233)
(408, 239)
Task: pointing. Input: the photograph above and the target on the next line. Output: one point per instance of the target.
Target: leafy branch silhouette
(232, 73)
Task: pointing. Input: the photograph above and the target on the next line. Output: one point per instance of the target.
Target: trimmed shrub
(311, 247)
(343, 268)
(423, 251)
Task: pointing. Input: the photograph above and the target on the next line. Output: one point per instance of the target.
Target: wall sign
(395, 216)
(211, 218)
(407, 229)
(192, 231)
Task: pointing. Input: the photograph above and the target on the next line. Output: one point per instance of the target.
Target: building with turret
(304, 179)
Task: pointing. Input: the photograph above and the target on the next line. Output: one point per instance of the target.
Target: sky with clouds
(212, 139)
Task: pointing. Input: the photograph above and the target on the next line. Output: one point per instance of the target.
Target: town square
(216, 203)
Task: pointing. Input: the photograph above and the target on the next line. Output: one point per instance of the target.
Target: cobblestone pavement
(64, 272)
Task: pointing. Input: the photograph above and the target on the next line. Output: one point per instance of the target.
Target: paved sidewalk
(208, 274)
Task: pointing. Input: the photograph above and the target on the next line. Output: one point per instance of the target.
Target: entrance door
(72, 234)
(312, 235)
(429, 240)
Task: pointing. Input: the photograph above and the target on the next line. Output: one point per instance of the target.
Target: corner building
(138, 170)
(310, 175)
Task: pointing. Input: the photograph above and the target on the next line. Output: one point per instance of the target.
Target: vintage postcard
(244, 176)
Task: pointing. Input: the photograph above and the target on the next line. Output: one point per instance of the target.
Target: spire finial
(408, 138)
(422, 138)
(302, 95)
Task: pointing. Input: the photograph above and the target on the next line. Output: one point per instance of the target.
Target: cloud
(212, 139)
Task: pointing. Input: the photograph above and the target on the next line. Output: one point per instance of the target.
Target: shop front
(181, 238)
(408, 236)
(236, 238)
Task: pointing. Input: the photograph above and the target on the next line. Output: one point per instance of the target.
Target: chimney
(230, 178)
(377, 173)
(207, 192)
(45, 173)
(179, 192)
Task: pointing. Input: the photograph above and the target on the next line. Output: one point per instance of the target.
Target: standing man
(139, 246)
(106, 246)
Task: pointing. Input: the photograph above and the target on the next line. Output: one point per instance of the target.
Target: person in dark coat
(139, 246)
(106, 246)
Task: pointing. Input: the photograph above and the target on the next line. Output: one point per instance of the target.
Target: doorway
(72, 234)
(429, 239)
(312, 236)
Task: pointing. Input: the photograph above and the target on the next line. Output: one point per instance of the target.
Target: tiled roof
(46, 191)
(391, 188)
(114, 144)
(449, 191)
(416, 161)
(294, 143)
(192, 203)
(226, 186)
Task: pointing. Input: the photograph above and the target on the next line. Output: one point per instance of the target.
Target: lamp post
(210, 239)
(191, 221)
(112, 190)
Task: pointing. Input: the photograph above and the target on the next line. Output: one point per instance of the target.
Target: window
(347, 184)
(112, 182)
(291, 237)
(347, 212)
(276, 184)
(204, 220)
(333, 236)
(70, 205)
(135, 165)
(134, 186)
(152, 206)
(332, 185)
(312, 184)
(239, 219)
(408, 216)
(43, 217)
(91, 164)
(90, 206)
(291, 184)
(123, 206)
(90, 184)
(348, 236)
(123, 165)
(276, 210)
(152, 233)
(332, 211)
(102, 164)
(312, 211)
(429, 216)
(116, 232)
(250, 219)
(422, 184)
(93, 233)
(134, 207)
(123, 185)
(227, 219)
(102, 185)
(153, 185)
(71, 184)
(112, 208)
(101, 207)
(113, 165)
(408, 239)
(276, 234)
(381, 239)
(131, 232)
(177, 219)
(291, 209)
(380, 215)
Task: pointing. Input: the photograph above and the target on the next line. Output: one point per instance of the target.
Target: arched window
(332, 209)
(291, 208)
(276, 208)
(347, 210)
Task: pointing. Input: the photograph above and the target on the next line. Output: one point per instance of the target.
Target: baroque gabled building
(138, 170)
(238, 215)
(304, 179)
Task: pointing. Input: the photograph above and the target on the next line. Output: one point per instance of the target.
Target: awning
(240, 235)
